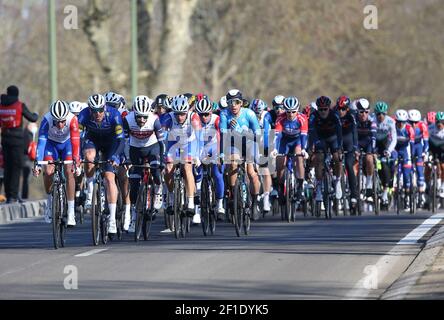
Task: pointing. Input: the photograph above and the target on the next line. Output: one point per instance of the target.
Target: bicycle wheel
(213, 215)
(96, 214)
(140, 204)
(237, 207)
(148, 211)
(177, 209)
(413, 197)
(56, 217)
(288, 195)
(104, 219)
(327, 195)
(205, 204)
(433, 190)
(63, 215)
(247, 208)
(119, 213)
(376, 190)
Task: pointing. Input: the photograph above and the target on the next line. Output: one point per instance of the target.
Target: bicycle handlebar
(54, 162)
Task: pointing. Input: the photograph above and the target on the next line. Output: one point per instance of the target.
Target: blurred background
(264, 48)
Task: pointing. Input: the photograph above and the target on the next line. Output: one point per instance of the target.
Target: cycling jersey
(366, 135)
(421, 134)
(325, 133)
(150, 133)
(386, 137)
(349, 132)
(55, 143)
(292, 132)
(265, 123)
(106, 136)
(405, 136)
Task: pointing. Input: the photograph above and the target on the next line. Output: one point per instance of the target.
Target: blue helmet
(258, 105)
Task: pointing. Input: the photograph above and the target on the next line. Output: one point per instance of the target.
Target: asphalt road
(342, 258)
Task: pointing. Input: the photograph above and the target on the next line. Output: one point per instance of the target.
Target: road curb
(404, 286)
(29, 209)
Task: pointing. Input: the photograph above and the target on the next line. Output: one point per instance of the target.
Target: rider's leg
(300, 170)
(189, 184)
(111, 193)
(89, 155)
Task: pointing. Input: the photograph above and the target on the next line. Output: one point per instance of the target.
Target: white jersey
(386, 131)
(210, 130)
(145, 136)
(59, 135)
(182, 133)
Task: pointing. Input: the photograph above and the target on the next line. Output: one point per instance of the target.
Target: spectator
(12, 111)
(28, 157)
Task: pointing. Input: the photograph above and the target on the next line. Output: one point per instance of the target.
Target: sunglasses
(206, 114)
(291, 112)
(323, 109)
(363, 111)
(180, 113)
(57, 122)
(342, 109)
(380, 113)
(141, 117)
(234, 102)
(98, 110)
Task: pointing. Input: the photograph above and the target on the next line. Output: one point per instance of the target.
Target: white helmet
(59, 110)
(180, 104)
(314, 105)
(414, 115)
(76, 106)
(96, 101)
(362, 104)
(401, 115)
(204, 106)
(223, 102)
(278, 101)
(112, 98)
(142, 105)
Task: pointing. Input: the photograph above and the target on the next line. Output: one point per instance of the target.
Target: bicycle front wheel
(56, 217)
(237, 205)
(205, 204)
(140, 203)
(96, 214)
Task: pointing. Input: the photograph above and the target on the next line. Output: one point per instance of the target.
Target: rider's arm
(373, 130)
(312, 132)
(75, 139)
(159, 132)
(338, 129)
(267, 128)
(43, 138)
(425, 137)
(304, 130)
(411, 132)
(393, 135)
(119, 138)
(223, 128)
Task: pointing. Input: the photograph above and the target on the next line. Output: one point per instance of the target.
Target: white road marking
(387, 262)
(414, 236)
(90, 253)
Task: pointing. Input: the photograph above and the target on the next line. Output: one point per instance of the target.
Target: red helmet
(343, 102)
(431, 117)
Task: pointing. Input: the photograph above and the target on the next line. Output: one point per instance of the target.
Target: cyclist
(146, 140)
(241, 124)
(59, 138)
(182, 126)
(420, 150)
(101, 127)
(209, 143)
(386, 138)
(436, 142)
(259, 107)
(431, 119)
(277, 110)
(366, 129)
(222, 105)
(76, 107)
(404, 148)
(162, 107)
(325, 133)
(349, 144)
(118, 102)
(291, 138)
(309, 109)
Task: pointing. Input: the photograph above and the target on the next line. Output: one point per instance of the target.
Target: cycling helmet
(162, 101)
(204, 106)
(414, 115)
(323, 101)
(440, 116)
(245, 103)
(113, 99)
(314, 105)
(200, 96)
(223, 102)
(142, 105)
(96, 101)
(258, 105)
(381, 107)
(291, 104)
(59, 110)
(401, 115)
(191, 98)
(77, 107)
(343, 102)
(233, 94)
(431, 117)
(278, 101)
(180, 104)
(215, 106)
(362, 104)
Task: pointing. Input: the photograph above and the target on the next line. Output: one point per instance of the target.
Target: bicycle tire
(288, 195)
(55, 207)
(63, 216)
(176, 209)
(247, 208)
(140, 201)
(376, 190)
(237, 214)
(96, 215)
(205, 207)
(104, 218)
(327, 195)
(434, 190)
(148, 212)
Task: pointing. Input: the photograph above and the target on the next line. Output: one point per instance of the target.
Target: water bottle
(244, 192)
